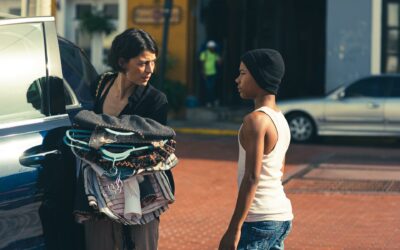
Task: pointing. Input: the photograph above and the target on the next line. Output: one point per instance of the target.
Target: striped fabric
(108, 197)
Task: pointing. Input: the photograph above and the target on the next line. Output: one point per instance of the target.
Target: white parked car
(367, 107)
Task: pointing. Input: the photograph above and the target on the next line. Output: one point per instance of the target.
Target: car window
(23, 71)
(69, 99)
(395, 90)
(77, 70)
(370, 87)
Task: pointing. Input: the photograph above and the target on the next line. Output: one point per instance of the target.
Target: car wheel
(302, 128)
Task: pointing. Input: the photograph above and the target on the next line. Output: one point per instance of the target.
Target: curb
(207, 131)
(300, 169)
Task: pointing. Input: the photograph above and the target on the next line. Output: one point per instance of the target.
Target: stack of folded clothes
(121, 164)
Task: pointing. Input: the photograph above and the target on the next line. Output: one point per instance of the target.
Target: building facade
(325, 43)
(353, 44)
(144, 14)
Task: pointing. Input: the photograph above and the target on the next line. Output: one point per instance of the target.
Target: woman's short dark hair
(129, 44)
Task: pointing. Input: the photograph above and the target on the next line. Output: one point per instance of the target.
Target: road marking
(360, 166)
(353, 174)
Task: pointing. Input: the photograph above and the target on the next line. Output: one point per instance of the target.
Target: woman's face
(246, 84)
(138, 70)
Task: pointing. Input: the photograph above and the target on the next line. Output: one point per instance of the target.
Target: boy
(263, 214)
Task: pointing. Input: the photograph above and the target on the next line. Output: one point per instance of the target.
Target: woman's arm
(161, 114)
(159, 110)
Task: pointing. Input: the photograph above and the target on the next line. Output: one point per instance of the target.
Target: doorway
(295, 28)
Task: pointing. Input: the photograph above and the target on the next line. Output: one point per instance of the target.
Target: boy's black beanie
(267, 68)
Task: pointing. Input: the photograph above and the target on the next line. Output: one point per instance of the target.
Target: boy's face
(247, 86)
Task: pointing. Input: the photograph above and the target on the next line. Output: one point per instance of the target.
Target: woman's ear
(122, 63)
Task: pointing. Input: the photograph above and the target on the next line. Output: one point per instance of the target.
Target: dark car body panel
(38, 91)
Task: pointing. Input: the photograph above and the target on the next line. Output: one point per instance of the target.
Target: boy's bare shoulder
(256, 122)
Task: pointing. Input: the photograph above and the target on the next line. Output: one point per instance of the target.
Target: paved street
(345, 194)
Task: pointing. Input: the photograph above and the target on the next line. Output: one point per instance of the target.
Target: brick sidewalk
(205, 196)
(345, 221)
(206, 193)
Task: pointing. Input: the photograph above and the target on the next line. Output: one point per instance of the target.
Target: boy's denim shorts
(264, 235)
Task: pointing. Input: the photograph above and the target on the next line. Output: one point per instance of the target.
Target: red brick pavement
(322, 221)
(205, 196)
(345, 221)
(206, 192)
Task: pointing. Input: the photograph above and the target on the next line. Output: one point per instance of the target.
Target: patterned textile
(105, 198)
(145, 127)
(122, 167)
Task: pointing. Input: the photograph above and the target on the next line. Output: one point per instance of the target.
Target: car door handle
(33, 160)
(373, 105)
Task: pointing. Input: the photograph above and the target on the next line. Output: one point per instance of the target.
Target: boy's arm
(253, 134)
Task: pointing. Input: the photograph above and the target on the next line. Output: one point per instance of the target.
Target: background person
(209, 60)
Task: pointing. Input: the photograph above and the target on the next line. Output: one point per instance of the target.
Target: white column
(24, 7)
(376, 33)
(96, 45)
(122, 15)
(60, 17)
(43, 7)
(97, 51)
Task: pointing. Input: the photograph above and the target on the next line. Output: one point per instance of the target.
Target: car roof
(12, 19)
(383, 75)
(388, 75)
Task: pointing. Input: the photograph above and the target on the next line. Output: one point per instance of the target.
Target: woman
(127, 92)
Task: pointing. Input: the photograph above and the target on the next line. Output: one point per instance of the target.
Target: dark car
(44, 78)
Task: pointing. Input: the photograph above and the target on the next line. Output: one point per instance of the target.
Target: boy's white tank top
(270, 201)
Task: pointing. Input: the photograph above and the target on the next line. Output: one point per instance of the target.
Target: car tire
(302, 127)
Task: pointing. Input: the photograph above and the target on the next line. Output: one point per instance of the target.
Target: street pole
(167, 14)
(24, 8)
(43, 7)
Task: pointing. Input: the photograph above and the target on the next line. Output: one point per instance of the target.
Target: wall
(348, 47)
(6, 5)
(177, 39)
(53, 7)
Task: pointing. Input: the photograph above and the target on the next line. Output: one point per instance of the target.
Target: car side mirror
(341, 95)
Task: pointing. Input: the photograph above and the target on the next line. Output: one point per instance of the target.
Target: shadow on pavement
(380, 142)
(223, 148)
(338, 150)
(346, 150)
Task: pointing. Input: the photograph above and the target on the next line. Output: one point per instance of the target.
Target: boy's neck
(265, 101)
